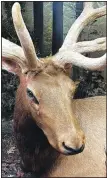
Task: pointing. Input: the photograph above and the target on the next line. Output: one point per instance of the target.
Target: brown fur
(33, 145)
(36, 152)
(41, 129)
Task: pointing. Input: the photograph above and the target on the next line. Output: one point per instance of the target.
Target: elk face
(50, 97)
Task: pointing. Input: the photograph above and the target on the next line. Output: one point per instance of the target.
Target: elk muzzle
(67, 140)
(72, 142)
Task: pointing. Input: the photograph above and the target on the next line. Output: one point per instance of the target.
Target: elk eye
(31, 96)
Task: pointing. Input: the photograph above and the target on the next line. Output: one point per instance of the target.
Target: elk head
(48, 89)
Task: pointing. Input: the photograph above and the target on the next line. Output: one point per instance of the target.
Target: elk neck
(46, 157)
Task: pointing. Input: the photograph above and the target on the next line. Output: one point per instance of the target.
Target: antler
(70, 50)
(14, 53)
(24, 36)
(98, 44)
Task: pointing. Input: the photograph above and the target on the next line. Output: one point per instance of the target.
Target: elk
(57, 136)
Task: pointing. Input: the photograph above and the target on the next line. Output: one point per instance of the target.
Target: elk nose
(71, 151)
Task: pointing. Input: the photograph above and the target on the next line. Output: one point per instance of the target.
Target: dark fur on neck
(37, 154)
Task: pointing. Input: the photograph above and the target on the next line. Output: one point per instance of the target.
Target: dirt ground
(10, 154)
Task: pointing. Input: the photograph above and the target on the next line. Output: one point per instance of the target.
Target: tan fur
(63, 119)
(91, 113)
(55, 107)
(58, 113)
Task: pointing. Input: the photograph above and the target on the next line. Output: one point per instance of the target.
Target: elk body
(57, 136)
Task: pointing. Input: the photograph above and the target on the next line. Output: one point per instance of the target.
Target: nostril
(73, 151)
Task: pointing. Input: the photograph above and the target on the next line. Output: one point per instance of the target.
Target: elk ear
(10, 66)
(67, 68)
(13, 59)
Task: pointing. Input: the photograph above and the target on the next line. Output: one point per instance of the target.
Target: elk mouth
(71, 151)
(66, 147)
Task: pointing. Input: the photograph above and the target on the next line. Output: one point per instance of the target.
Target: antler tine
(14, 53)
(24, 36)
(88, 14)
(81, 61)
(98, 44)
(70, 50)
